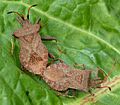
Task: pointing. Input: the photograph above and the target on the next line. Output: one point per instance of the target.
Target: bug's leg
(72, 92)
(38, 21)
(109, 73)
(51, 55)
(65, 94)
(51, 62)
(61, 51)
(61, 94)
(22, 67)
(106, 75)
(96, 78)
(53, 59)
(45, 38)
(83, 67)
(101, 71)
(19, 20)
(48, 38)
(79, 65)
(90, 91)
(104, 87)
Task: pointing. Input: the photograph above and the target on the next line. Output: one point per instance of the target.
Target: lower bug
(61, 77)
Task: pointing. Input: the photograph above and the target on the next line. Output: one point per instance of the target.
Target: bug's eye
(15, 35)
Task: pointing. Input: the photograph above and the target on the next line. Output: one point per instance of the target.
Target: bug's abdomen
(33, 54)
(36, 63)
(56, 78)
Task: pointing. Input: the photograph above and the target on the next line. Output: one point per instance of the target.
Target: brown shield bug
(33, 53)
(61, 77)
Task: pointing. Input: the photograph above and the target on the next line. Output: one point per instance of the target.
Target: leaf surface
(88, 32)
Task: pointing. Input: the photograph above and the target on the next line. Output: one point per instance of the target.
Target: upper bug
(33, 53)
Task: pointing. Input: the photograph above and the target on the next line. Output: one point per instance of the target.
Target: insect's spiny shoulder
(27, 30)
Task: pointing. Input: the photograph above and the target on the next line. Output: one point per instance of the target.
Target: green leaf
(88, 32)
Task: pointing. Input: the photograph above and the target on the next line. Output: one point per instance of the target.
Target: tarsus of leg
(104, 87)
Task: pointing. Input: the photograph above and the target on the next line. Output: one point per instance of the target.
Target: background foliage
(88, 32)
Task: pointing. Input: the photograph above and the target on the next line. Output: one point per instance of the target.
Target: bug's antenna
(109, 73)
(29, 10)
(16, 13)
(113, 67)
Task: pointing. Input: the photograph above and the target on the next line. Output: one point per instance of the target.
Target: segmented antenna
(109, 73)
(29, 10)
(16, 13)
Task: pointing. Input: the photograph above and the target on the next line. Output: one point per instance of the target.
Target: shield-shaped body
(60, 77)
(33, 53)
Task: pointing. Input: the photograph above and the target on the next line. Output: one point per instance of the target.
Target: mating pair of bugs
(34, 58)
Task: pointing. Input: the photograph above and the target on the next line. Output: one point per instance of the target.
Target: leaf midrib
(66, 23)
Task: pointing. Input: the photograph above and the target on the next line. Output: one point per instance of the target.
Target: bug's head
(97, 81)
(24, 21)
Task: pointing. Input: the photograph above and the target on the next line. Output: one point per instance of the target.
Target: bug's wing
(79, 79)
(55, 76)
